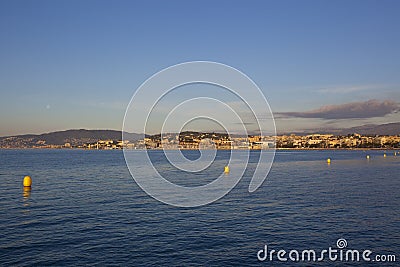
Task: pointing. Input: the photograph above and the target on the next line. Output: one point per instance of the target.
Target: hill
(373, 129)
(74, 137)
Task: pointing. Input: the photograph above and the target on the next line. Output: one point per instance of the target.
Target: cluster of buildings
(331, 141)
(195, 140)
(105, 144)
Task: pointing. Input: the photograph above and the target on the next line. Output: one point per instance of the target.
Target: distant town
(196, 140)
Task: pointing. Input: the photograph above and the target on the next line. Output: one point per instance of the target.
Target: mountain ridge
(73, 136)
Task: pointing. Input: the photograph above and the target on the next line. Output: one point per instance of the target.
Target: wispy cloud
(354, 110)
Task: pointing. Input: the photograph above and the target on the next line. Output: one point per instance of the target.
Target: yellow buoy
(226, 169)
(384, 155)
(27, 181)
(367, 156)
(328, 161)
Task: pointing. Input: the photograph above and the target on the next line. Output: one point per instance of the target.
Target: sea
(84, 208)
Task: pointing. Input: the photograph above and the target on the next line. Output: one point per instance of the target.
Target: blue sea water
(84, 208)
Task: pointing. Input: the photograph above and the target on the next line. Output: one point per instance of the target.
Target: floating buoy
(328, 161)
(395, 153)
(367, 156)
(27, 181)
(226, 169)
(384, 155)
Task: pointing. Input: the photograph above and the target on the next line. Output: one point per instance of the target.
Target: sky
(76, 64)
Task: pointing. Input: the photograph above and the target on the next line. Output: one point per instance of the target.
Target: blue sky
(76, 64)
